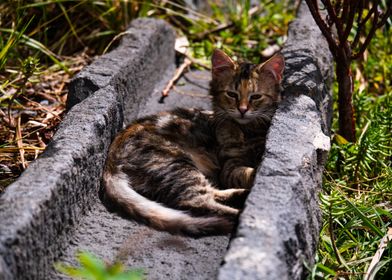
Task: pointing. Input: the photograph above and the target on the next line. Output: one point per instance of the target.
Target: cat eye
(256, 97)
(232, 94)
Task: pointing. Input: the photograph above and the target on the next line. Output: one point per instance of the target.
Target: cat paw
(241, 177)
(249, 177)
(231, 197)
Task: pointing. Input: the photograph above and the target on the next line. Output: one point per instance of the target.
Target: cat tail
(158, 216)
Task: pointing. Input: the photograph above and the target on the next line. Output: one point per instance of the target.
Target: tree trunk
(345, 93)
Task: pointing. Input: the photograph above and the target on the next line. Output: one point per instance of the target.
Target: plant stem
(345, 93)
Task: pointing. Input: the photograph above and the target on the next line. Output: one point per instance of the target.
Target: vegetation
(357, 195)
(92, 268)
(44, 43)
(362, 18)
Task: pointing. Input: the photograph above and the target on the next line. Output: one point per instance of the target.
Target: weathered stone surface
(309, 65)
(133, 68)
(4, 272)
(279, 227)
(40, 210)
(159, 254)
(53, 209)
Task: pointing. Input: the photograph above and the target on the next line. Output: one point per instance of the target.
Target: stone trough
(53, 210)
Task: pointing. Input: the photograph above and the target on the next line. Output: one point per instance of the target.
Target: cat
(188, 171)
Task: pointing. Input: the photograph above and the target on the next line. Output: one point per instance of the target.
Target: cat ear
(221, 63)
(274, 65)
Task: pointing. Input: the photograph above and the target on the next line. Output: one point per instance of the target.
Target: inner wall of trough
(278, 229)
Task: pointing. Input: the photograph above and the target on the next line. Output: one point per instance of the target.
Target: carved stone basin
(53, 209)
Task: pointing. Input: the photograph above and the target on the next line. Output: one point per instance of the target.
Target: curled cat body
(188, 171)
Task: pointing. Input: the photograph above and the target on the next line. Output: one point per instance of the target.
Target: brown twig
(46, 96)
(359, 25)
(180, 70)
(334, 18)
(370, 35)
(346, 7)
(369, 15)
(196, 62)
(19, 142)
(353, 5)
(42, 108)
(25, 136)
(385, 16)
(325, 29)
(41, 143)
(16, 149)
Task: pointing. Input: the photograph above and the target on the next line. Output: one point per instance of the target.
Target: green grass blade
(12, 41)
(326, 269)
(363, 217)
(34, 44)
(65, 13)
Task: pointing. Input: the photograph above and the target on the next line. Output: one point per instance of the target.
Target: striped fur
(188, 171)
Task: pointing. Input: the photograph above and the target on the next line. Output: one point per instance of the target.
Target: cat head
(244, 91)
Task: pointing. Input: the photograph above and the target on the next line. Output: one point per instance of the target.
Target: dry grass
(28, 123)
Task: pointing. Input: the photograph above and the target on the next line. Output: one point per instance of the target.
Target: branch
(350, 20)
(165, 92)
(334, 18)
(19, 142)
(375, 26)
(385, 16)
(369, 15)
(370, 34)
(359, 25)
(314, 10)
(346, 6)
(197, 62)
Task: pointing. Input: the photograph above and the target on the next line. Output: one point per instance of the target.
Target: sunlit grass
(357, 193)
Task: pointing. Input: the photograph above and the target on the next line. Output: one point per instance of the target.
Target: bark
(345, 93)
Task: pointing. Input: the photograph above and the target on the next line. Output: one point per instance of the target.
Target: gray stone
(53, 210)
(39, 212)
(159, 254)
(4, 272)
(309, 67)
(143, 56)
(279, 227)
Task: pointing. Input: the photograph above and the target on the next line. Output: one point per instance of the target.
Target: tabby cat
(188, 171)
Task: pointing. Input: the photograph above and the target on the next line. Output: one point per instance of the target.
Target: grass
(93, 268)
(44, 43)
(357, 193)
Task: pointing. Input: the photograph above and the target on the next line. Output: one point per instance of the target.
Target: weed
(358, 180)
(90, 267)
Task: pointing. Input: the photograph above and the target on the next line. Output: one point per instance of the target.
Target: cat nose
(243, 109)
